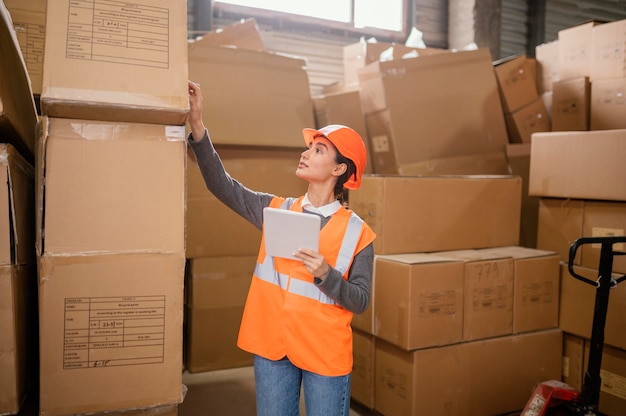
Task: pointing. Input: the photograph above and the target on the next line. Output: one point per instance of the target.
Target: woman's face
(318, 162)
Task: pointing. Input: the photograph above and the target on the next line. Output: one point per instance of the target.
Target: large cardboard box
(488, 377)
(362, 381)
(608, 104)
(257, 98)
(216, 294)
(110, 332)
(18, 113)
(126, 62)
(516, 81)
(575, 50)
(571, 101)
(560, 224)
(213, 229)
(244, 34)
(487, 293)
(415, 214)
(536, 284)
(419, 300)
(29, 21)
(518, 158)
(577, 306)
(608, 57)
(547, 56)
(588, 165)
(399, 145)
(106, 187)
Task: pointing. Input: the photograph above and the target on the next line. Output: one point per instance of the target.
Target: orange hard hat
(348, 142)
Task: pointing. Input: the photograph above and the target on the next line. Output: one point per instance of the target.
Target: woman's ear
(340, 169)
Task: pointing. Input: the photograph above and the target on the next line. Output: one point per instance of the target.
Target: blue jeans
(278, 386)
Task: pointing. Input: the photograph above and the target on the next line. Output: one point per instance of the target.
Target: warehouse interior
(495, 134)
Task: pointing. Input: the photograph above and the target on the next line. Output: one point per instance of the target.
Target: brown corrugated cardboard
(588, 165)
(141, 48)
(608, 104)
(608, 57)
(547, 56)
(612, 400)
(488, 377)
(110, 332)
(535, 287)
(571, 100)
(518, 158)
(526, 121)
(516, 82)
(575, 53)
(106, 187)
(29, 22)
(416, 214)
(573, 361)
(256, 98)
(365, 321)
(577, 306)
(603, 219)
(268, 170)
(487, 291)
(493, 163)
(18, 113)
(18, 344)
(560, 224)
(244, 34)
(362, 381)
(418, 300)
(216, 294)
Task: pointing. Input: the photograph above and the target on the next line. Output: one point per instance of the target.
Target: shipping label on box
(126, 62)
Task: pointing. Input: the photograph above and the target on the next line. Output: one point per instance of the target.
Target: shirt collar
(325, 210)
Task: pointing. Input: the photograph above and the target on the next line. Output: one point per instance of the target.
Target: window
(364, 16)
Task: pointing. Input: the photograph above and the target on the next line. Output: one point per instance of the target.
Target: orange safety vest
(286, 314)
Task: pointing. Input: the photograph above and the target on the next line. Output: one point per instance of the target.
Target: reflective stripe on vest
(268, 273)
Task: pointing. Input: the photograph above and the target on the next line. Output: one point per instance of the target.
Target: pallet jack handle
(590, 395)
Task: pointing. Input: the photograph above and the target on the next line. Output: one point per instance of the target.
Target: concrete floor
(228, 392)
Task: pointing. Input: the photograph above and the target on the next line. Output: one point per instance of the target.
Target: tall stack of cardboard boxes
(576, 172)
(256, 104)
(110, 175)
(18, 276)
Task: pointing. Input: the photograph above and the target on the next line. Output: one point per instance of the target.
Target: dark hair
(340, 191)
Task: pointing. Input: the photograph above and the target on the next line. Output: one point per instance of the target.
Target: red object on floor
(549, 394)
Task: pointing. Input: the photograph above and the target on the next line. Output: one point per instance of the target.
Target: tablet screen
(287, 231)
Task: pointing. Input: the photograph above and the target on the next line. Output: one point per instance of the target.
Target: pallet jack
(554, 397)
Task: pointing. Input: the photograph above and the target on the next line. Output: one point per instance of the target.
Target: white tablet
(287, 231)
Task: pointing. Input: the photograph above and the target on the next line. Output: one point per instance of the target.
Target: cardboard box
(18, 344)
(526, 121)
(571, 101)
(18, 113)
(518, 158)
(516, 81)
(560, 224)
(575, 50)
(106, 187)
(488, 377)
(536, 283)
(257, 98)
(364, 322)
(110, 332)
(493, 163)
(138, 46)
(608, 57)
(608, 104)
(269, 170)
(604, 219)
(244, 34)
(418, 300)
(578, 306)
(357, 55)
(415, 99)
(547, 56)
(613, 380)
(487, 291)
(573, 361)
(362, 382)
(216, 294)
(343, 108)
(414, 214)
(29, 22)
(588, 165)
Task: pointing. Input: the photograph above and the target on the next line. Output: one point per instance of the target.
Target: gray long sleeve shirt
(352, 294)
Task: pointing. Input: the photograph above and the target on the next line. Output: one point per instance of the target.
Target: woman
(296, 320)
